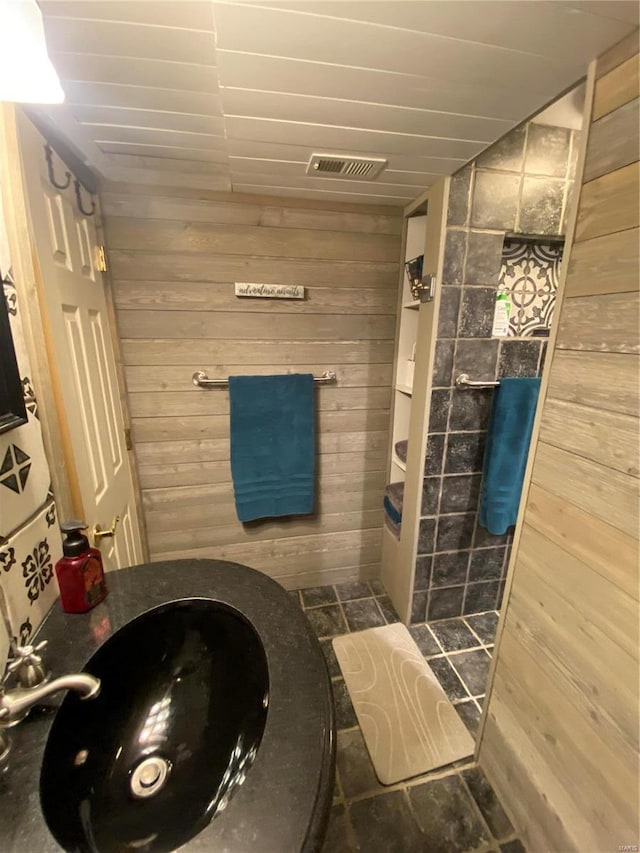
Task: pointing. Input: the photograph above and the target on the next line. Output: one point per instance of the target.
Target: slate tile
(336, 839)
(453, 635)
(386, 823)
(476, 313)
(513, 847)
(507, 153)
(327, 621)
(345, 715)
(519, 358)
(488, 803)
(430, 496)
(495, 201)
(541, 206)
(362, 614)
(460, 493)
(419, 606)
(473, 669)
(318, 595)
(485, 625)
(422, 577)
(547, 151)
(470, 409)
(455, 532)
(446, 602)
(458, 210)
(449, 569)
(484, 258)
(388, 610)
(481, 597)
(465, 452)
(357, 775)
(454, 252)
(486, 564)
(435, 451)
(484, 539)
(439, 413)
(443, 364)
(478, 358)
(348, 590)
(469, 713)
(377, 587)
(426, 535)
(424, 640)
(447, 816)
(448, 316)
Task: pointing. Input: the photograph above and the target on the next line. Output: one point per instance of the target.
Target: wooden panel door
(559, 737)
(80, 345)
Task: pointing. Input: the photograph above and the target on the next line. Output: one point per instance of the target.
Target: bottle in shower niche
(79, 571)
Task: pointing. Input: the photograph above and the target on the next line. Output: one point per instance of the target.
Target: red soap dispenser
(80, 572)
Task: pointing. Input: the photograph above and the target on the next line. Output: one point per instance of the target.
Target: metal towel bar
(201, 379)
(463, 383)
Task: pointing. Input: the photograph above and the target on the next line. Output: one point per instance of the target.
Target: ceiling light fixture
(27, 75)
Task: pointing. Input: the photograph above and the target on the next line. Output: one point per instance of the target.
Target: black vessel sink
(173, 733)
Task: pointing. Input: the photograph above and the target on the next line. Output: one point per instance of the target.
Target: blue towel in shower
(505, 456)
(272, 444)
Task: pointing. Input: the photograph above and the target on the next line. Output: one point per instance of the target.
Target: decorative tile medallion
(24, 470)
(530, 274)
(37, 570)
(15, 468)
(7, 558)
(26, 630)
(10, 295)
(32, 407)
(27, 561)
(24, 475)
(27, 388)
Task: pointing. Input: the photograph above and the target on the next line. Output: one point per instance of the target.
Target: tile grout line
(414, 782)
(479, 812)
(470, 627)
(462, 681)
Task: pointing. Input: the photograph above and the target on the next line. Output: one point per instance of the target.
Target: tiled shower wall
(30, 542)
(521, 184)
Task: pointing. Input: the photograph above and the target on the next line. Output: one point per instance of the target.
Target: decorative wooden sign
(270, 291)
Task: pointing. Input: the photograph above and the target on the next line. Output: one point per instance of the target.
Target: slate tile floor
(451, 810)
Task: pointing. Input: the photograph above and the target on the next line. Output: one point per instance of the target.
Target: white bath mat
(409, 725)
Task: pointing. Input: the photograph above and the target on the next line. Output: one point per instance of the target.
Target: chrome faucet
(16, 704)
(34, 686)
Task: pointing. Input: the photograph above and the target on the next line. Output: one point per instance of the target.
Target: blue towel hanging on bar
(272, 421)
(507, 448)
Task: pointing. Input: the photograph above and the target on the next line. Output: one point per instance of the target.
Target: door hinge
(127, 439)
(427, 288)
(101, 259)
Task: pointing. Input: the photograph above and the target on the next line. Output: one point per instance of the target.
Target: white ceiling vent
(340, 166)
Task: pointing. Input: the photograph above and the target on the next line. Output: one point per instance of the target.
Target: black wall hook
(48, 153)
(84, 212)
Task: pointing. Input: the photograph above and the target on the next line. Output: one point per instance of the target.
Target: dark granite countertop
(283, 805)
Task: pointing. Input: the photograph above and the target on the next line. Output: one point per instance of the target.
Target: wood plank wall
(174, 255)
(560, 742)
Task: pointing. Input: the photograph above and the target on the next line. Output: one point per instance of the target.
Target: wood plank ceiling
(240, 94)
